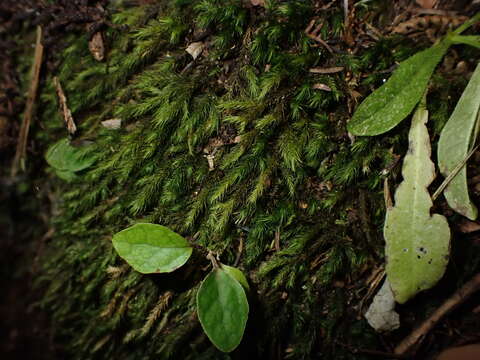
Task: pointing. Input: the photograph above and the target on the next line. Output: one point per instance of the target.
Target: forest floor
(25, 213)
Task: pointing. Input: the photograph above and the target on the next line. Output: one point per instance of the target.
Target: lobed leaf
(222, 308)
(151, 248)
(417, 243)
(456, 140)
(387, 106)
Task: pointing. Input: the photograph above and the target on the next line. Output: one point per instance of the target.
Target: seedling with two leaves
(222, 304)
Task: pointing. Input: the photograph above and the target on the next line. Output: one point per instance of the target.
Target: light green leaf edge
(387, 106)
(417, 243)
(471, 40)
(152, 248)
(222, 308)
(456, 139)
(237, 274)
(65, 157)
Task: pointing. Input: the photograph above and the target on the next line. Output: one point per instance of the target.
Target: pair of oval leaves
(222, 304)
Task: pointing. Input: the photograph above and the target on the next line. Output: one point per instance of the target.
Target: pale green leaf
(394, 101)
(417, 243)
(66, 157)
(456, 139)
(222, 308)
(237, 275)
(151, 248)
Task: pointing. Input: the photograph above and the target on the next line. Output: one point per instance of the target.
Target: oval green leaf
(387, 106)
(151, 248)
(222, 308)
(66, 157)
(237, 274)
(456, 139)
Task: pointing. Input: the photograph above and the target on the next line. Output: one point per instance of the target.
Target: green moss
(283, 168)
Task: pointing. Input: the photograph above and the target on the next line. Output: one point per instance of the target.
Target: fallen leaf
(426, 4)
(112, 124)
(96, 46)
(417, 243)
(456, 139)
(330, 70)
(323, 87)
(381, 314)
(257, 2)
(195, 49)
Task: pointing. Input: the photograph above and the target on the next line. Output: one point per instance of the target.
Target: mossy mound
(237, 150)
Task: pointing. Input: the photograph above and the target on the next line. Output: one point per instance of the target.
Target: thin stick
(416, 337)
(21, 150)
(454, 172)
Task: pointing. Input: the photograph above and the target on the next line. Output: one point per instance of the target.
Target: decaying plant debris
(289, 196)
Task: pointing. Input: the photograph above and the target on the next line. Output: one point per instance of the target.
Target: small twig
(416, 337)
(239, 252)
(330, 70)
(21, 150)
(213, 260)
(66, 113)
(277, 240)
(454, 172)
(315, 34)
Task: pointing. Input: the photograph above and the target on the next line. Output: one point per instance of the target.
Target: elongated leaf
(456, 139)
(237, 275)
(222, 308)
(151, 248)
(417, 243)
(65, 157)
(394, 101)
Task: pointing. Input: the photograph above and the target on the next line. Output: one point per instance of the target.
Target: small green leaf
(456, 140)
(66, 157)
(237, 275)
(387, 106)
(222, 308)
(66, 175)
(151, 248)
(417, 243)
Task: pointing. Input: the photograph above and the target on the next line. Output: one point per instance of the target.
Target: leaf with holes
(222, 308)
(151, 248)
(456, 139)
(417, 243)
(387, 106)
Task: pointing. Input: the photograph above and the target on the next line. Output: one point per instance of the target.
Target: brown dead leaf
(330, 70)
(258, 2)
(67, 114)
(195, 49)
(427, 4)
(323, 87)
(96, 46)
(112, 124)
